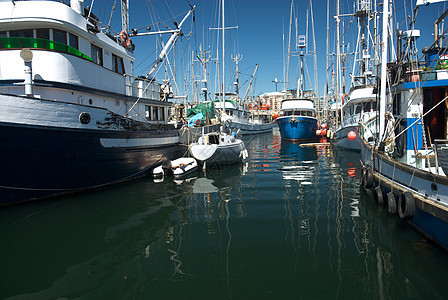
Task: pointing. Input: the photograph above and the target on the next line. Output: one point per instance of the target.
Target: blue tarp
(194, 118)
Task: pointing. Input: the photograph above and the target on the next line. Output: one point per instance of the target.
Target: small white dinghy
(218, 148)
(179, 168)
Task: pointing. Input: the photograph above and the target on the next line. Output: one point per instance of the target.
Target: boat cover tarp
(192, 120)
(202, 108)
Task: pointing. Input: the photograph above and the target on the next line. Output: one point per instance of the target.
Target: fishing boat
(75, 119)
(241, 119)
(359, 105)
(297, 119)
(399, 148)
(237, 114)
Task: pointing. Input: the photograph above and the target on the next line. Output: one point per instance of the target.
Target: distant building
(274, 99)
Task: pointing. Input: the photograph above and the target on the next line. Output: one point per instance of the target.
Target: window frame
(118, 64)
(95, 58)
(63, 33)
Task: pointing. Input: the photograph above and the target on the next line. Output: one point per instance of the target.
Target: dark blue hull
(39, 162)
(429, 191)
(296, 128)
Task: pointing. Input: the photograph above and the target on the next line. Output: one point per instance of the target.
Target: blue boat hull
(295, 128)
(430, 192)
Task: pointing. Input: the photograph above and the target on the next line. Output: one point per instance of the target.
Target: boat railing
(142, 87)
(433, 66)
(368, 130)
(14, 43)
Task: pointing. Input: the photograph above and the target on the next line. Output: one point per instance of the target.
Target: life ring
(125, 41)
(368, 179)
(391, 203)
(406, 206)
(378, 195)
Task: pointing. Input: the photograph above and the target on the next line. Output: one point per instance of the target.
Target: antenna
(276, 81)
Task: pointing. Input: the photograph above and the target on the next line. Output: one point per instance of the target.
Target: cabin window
(59, 36)
(358, 109)
(352, 109)
(43, 34)
(148, 113)
(155, 113)
(366, 107)
(73, 41)
(97, 55)
(162, 113)
(28, 33)
(3, 34)
(117, 64)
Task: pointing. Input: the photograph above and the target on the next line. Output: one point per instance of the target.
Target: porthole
(84, 118)
(90, 101)
(434, 187)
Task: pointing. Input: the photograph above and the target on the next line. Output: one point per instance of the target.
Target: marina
(277, 228)
(145, 153)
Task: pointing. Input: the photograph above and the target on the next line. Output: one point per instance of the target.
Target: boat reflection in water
(226, 234)
(89, 246)
(321, 202)
(298, 162)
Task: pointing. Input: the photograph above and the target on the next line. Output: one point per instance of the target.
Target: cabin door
(435, 122)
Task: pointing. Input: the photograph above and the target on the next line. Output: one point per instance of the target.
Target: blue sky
(258, 39)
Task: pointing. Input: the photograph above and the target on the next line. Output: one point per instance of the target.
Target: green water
(293, 223)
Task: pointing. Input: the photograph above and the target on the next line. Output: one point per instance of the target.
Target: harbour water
(293, 223)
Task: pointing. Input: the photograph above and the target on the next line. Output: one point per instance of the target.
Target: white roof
(361, 94)
(227, 105)
(297, 104)
(272, 94)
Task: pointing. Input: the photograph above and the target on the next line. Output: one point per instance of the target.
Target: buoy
(351, 135)
(324, 125)
(318, 132)
(406, 206)
(324, 131)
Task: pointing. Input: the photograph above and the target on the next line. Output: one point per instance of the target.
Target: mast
(223, 64)
(316, 83)
(289, 46)
(125, 15)
(382, 110)
(164, 51)
(326, 63)
(236, 59)
(300, 83)
(338, 54)
(250, 83)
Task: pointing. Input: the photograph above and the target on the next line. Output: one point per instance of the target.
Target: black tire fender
(378, 195)
(391, 203)
(406, 206)
(363, 172)
(368, 179)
